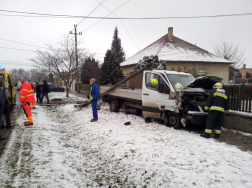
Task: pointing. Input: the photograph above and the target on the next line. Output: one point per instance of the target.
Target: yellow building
(180, 55)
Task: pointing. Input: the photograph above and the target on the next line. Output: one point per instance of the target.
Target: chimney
(170, 33)
(244, 66)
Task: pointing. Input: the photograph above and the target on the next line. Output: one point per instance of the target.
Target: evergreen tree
(110, 70)
(116, 48)
(90, 69)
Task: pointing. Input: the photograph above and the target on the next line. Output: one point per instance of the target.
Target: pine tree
(110, 70)
(90, 69)
(116, 48)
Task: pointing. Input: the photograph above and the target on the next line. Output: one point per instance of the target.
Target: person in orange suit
(26, 98)
(34, 90)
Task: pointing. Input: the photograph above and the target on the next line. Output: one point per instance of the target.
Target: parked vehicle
(175, 105)
(55, 88)
(6, 76)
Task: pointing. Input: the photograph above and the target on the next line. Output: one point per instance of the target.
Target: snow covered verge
(64, 149)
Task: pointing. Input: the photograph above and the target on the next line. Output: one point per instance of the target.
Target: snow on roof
(175, 50)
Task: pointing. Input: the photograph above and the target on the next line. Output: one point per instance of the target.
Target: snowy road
(63, 149)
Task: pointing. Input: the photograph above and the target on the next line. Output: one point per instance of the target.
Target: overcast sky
(205, 32)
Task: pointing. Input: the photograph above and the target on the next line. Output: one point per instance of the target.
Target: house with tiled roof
(179, 54)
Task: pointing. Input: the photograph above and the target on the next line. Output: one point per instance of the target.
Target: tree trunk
(67, 90)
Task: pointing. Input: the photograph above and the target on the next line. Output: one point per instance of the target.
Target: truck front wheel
(114, 106)
(172, 119)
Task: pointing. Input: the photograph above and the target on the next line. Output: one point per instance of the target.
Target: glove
(88, 96)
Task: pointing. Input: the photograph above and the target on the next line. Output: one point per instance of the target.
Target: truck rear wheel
(172, 119)
(114, 107)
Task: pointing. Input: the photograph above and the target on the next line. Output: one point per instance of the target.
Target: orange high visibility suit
(26, 98)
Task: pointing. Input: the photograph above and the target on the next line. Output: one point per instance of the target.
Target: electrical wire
(97, 6)
(116, 18)
(14, 62)
(16, 49)
(107, 15)
(123, 26)
(23, 43)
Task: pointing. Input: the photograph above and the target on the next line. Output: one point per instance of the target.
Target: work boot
(216, 135)
(8, 126)
(147, 120)
(205, 135)
(34, 108)
(93, 120)
(28, 124)
(2, 138)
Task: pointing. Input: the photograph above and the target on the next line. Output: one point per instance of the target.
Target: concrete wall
(220, 70)
(238, 122)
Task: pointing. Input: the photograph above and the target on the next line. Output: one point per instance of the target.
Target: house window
(202, 72)
(124, 75)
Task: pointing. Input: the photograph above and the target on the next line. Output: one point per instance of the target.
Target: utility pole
(76, 57)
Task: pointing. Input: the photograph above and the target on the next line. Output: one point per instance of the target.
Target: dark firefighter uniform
(26, 98)
(216, 104)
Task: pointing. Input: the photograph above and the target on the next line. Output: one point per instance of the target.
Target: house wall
(219, 70)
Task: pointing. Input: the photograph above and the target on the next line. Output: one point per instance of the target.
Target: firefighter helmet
(217, 85)
(154, 81)
(178, 86)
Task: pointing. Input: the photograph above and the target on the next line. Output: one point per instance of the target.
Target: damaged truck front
(193, 100)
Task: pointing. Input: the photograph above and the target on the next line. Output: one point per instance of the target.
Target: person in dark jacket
(38, 91)
(45, 91)
(34, 91)
(216, 104)
(1, 104)
(94, 96)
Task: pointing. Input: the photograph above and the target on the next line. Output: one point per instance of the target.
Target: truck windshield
(180, 81)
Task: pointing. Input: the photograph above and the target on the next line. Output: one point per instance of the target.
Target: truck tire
(114, 107)
(172, 119)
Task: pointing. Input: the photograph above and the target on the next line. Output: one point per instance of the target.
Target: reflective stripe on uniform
(29, 95)
(30, 90)
(217, 131)
(208, 131)
(25, 89)
(206, 108)
(220, 95)
(217, 108)
(22, 97)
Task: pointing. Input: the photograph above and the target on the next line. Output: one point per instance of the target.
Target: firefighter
(216, 104)
(26, 98)
(34, 91)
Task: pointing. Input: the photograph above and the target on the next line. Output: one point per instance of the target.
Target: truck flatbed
(124, 93)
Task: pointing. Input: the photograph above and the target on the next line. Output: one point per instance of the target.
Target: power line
(23, 43)
(124, 27)
(116, 18)
(107, 15)
(97, 6)
(13, 62)
(16, 49)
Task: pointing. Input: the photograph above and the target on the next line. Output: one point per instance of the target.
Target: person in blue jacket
(94, 96)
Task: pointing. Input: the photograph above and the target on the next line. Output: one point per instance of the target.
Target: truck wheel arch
(114, 104)
(172, 119)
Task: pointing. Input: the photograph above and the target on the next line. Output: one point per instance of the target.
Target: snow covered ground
(63, 149)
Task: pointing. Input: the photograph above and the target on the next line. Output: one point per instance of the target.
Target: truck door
(151, 98)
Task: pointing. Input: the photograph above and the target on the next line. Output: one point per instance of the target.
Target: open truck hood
(205, 82)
